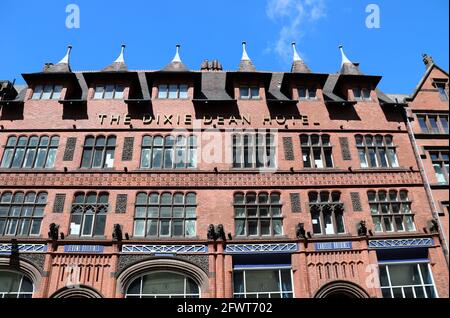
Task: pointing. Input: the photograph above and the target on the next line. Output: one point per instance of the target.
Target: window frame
(442, 163)
(105, 149)
(425, 119)
(53, 91)
(377, 150)
(114, 92)
(179, 91)
(333, 206)
(280, 292)
(18, 293)
(389, 203)
(270, 217)
(85, 206)
(248, 157)
(51, 147)
(21, 219)
(390, 287)
(250, 90)
(312, 147)
(308, 91)
(362, 91)
(159, 219)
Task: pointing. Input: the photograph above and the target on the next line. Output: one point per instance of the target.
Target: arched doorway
(341, 290)
(77, 292)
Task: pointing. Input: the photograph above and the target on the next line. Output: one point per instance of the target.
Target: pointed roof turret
(246, 64)
(298, 65)
(176, 65)
(62, 66)
(119, 64)
(347, 66)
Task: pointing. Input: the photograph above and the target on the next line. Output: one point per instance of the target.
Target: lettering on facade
(333, 246)
(188, 120)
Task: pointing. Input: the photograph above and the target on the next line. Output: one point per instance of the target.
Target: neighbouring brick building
(212, 183)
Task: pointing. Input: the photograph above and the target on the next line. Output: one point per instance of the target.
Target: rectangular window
(47, 92)
(433, 123)
(391, 211)
(305, 93)
(327, 213)
(258, 215)
(410, 280)
(376, 152)
(443, 91)
(98, 152)
(249, 92)
(361, 94)
(173, 91)
(109, 91)
(254, 151)
(263, 283)
(165, 215)
(21, 214)
(169, 152)
(440, 163)
(316, 151)
(30, 152)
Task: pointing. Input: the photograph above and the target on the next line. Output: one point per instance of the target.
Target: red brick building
(212, 183)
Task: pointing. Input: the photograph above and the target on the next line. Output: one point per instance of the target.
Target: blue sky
(35, 32)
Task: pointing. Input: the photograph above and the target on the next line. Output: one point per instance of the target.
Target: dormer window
(361, 94)
(110, 91)
(442, 88)
(305, 93)
(47, 92)
(249, 92)
(173, 91)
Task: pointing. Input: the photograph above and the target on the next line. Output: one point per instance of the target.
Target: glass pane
(183, 91)
(86, 160)
(362, 158)
(173, 91)
(153, 212)
(37, 92)
(99, 92)
(191, 198)
(153, 198)
(190, 228)
(240, 227)
(277, 227)
(75, 225)
(262, 281)
(404, 274)
(393, 158)
(109, 91)
(302, 93)
(163, 283)
(244, 92)
(88, 223)
(7, 157)
(252, 227)
(152, 228)
(119, 92)
(384, 281)
(165, 228)
(47, 92)
(57, 92)
(265, 227)
(140, 212)
(51, 159)
(423, 124)
(426, 274)
(29, 158)
(177, 228)
(166, 212)
(145, 158)
(255, 92)
(18, 157)
(157, 158)
(315, 216)
(35, 227)
(41, 156)
(162, 91)
(306, 155)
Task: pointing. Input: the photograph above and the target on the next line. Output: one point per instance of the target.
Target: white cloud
(293, 17)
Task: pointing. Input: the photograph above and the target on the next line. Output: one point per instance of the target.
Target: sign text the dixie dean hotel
(187, 120)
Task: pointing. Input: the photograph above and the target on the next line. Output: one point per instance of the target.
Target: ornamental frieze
(231, 180)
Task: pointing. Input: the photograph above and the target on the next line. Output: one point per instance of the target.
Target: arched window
(89, 214)
(98, 152)
(327, 213)
(15, 285)
(163, 285)
(21, 213)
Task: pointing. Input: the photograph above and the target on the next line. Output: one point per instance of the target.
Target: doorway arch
(341, 290)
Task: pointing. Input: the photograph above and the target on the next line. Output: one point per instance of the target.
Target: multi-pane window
(307, 93)
(361, 94)
(443, 89)
(169, 152)
(47, 92)
(391, 211)
(249, 92)
(15, 285)
(258, 214)
(165, 215)
(89, 214)
(254, 150)
(21, 213)
(163, 285)
(376, 151)
(316, 151)
(433, 124)
(410, 280)
(173, 91)
(441, 165)
(263, 283)
(110, 91)
(98, 152)
(30, 152)
(327, 213)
